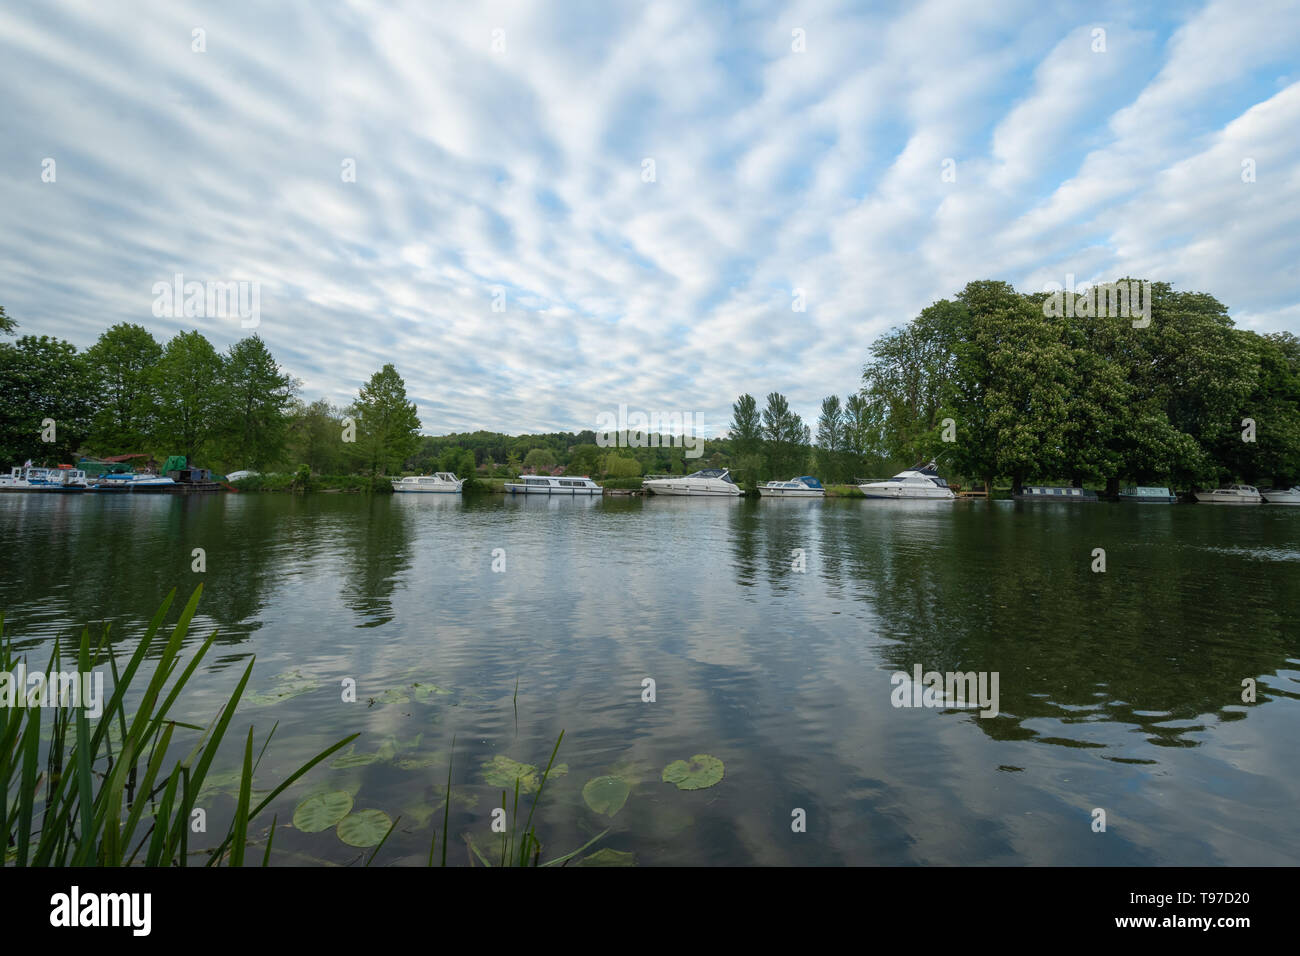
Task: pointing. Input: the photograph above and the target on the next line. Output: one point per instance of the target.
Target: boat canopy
(809, 480)
(712, 473)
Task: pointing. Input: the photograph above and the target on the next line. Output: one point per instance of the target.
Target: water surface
(1118, 690)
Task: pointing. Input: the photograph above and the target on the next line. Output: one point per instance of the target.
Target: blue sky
(503, 146)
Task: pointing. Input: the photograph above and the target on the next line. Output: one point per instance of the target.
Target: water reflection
(781, 669)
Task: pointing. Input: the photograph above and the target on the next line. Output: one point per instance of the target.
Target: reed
(94, 805)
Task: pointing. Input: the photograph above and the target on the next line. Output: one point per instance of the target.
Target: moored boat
(920, 481)
(1064, 493)
(707, 482)
(805, 486)
(65, 478)
(1147, 495)
(549, 485)
(1282, 496)
(442, 482)
(1232, 495)
(131, 481)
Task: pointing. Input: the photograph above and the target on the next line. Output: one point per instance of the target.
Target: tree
(47, 399)
(746, 429)
(188, 380)
(616, 466)
(540, 459)
(388, 427)
(830, 438)
(786, 437)
(315, 437)
(256, 399)
(7, 325)
(123, 361)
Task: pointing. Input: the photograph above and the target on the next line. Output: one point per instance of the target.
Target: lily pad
(420, 761)
(426, 692)
(503, 772)
(701, 771)
(365, 828)
(322, 811)
(394, 697)
(606, 795)
(608, 857)
(286, 685)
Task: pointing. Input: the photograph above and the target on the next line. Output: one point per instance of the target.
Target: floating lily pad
(286, 685)
(419, 762)
(426, 692)
(322, 811)
(349, 759)
(394, 697)
(608, 857)
(354, 760)
(606, 795)
(503, 772)
(701, 771)
(364, 828)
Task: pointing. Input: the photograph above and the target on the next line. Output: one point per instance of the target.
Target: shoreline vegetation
(999, 387)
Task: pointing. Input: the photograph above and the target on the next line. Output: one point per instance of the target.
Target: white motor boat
(28, 478)
(130, 481)
(548, 485)
(920, 481)
(442, 482)
(710, 482)
(1232, 495)
(805, 486)
(1282, 496)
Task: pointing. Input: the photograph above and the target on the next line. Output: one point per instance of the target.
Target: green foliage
(1082, 397)
(188, 378)
(255, 400)
(617, 465)
(123, 362)
(786, 438)
(43, 378)
(540, 459)
(388, 427)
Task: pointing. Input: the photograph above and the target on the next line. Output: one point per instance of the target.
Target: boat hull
(426, 491)
(688, 491)
(1211, 499)
(568, 492)
(898, 493)
(791, 493)
(1281, 497)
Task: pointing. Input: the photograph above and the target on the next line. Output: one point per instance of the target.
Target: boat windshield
(720, 473)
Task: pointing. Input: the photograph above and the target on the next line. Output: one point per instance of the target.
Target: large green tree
(786, 438)
(387, 425)
(830, 439)
(123, 361)
(315, 437)
(47, 396)
(257, 397)
(190, 406)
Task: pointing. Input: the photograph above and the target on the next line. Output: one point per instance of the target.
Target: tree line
(993, 383)
(1000, 384)
(131, 394)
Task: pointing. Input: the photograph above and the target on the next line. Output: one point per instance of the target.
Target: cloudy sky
(649, 189)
